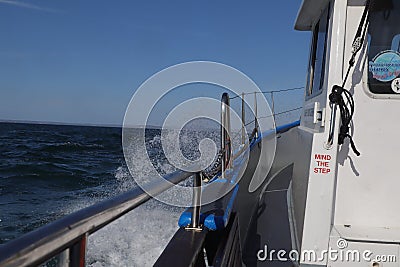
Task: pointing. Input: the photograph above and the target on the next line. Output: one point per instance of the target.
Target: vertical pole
(243, 121)
(77, 252)
(228, 134)
(273, 105)
(226, 144)
(255, 114)
(223, 135)
(63, 258)
(196, 201)
(329, 144)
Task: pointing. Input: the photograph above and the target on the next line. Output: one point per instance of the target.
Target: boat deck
(271, 226)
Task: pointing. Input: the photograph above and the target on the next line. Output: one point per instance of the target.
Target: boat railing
(67, 237)
(217, 239)
(254, 117)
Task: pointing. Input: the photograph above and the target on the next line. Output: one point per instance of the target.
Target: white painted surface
(368, 186)
(372, 234)
(321, 185)
(362, 254)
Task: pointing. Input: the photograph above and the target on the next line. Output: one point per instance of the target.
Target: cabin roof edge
(310, 10)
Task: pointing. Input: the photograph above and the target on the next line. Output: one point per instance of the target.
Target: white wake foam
(136, 239)
(139, 237)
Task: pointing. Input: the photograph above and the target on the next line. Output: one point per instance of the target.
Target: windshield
(384, 47)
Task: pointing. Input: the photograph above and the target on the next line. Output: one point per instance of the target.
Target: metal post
(77, 253)
(226, 145)
(243, 121)
(228, 135)
(195, 224)
(255, 114)
(329, 143)
(273, 105)
(223, 136)
(63, 259)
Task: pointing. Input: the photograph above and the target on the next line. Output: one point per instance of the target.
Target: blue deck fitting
(214, 222)
(186, 218)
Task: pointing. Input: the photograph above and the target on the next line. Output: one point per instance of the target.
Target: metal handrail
(50, 240)
(331, 134)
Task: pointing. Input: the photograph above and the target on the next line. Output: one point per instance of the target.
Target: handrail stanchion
(63, 259)
(223, 138)
(226, 146)
(224, 132)
(243, 122)
(195, 224)
(228, 135)
(255, 115)
(273, 105)
(78, 253)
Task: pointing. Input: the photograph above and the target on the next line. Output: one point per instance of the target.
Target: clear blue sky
(80, 61)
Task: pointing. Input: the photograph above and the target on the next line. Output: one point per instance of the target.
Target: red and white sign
(322, 163)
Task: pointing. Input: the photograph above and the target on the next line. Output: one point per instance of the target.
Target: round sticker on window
(385, 66)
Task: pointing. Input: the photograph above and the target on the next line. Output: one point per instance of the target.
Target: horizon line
(79, 124)
(59, 123)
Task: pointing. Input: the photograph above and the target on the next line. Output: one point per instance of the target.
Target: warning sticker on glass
(385, 66)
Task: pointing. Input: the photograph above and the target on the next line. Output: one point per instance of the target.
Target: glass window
(316, 68)
(384, 47)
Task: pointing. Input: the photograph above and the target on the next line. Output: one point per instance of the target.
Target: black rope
(346, 114)
(358, 40)
(336, 96)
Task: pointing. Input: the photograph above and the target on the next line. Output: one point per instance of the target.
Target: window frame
(366, 77)
(311, 89)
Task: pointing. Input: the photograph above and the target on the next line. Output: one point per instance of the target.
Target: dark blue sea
(49, 171)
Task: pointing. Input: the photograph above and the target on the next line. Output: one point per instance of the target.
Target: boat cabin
(342, 196)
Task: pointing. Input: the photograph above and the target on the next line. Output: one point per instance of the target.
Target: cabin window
(384, 47)
(316, 67)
